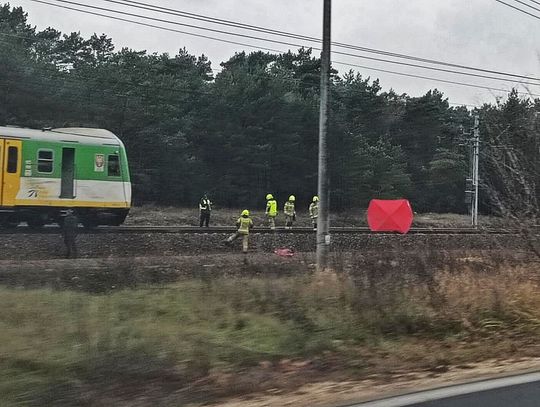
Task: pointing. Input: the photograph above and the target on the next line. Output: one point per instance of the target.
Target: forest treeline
(251, 127)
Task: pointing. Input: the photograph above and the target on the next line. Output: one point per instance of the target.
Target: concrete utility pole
(323, 220)
(475, 171)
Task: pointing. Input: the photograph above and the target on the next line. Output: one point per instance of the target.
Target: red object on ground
(284, 252)
(390, 215)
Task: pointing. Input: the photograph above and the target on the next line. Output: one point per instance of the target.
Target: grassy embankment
(195, 340)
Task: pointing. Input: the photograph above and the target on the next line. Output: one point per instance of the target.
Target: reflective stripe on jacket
(205, 205)
(244, 224)
(271, 208)
(313, 210)
(289, 208)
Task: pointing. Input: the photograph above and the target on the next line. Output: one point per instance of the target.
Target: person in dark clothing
(69, 231)
(205, 208)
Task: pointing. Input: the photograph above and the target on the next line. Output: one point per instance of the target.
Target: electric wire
(506, 91)
(73, 80)
(158, 27)
(204, 18)
(527, 5)
(71, 84)
(234, 24)
(290, 44)
(436, 79)
(518, 9)
(337, 62)
(271, 40)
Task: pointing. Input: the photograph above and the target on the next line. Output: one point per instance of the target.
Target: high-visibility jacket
(271, 208)
(244, 223)
(288, 209)
(205, 205)
(314, 210)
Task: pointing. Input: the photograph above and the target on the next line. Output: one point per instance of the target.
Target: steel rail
(140, 229)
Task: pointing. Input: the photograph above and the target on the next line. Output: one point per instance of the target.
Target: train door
(11, 180)
(1, 168)
(68, 173)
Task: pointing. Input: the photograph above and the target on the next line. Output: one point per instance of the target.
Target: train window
(45, 161)
(113, 166)
(12, 161)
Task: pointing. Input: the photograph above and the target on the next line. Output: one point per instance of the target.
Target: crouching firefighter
(244, 224)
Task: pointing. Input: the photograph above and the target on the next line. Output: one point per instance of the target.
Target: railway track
(264, 230)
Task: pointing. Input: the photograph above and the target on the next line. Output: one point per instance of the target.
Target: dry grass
(197, 339)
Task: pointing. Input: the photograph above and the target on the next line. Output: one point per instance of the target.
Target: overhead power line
(269, 49)
(518, 9)
(277, 41)
(470, 85)
(156, 26)
(527, 5)
(213, 20)
(146, 87)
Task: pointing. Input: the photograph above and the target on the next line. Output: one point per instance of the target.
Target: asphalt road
(523, 395)
(514, 391)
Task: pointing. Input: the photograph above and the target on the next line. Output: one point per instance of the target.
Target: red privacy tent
(390, 215)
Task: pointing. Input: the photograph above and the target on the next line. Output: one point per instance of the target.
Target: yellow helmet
(269, 196)
(292, 198)
(245, 212)
(315, 198)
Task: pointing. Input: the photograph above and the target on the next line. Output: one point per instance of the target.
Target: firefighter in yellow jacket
(244, 224)
(290, 213)
(271, 211)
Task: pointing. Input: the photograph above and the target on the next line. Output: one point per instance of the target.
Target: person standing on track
(290, 213)
(244, 225)
(314, 211)
(271, 211)
(69, 231)
(205, 208)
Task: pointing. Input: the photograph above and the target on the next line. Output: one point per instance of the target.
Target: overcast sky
(479, 33)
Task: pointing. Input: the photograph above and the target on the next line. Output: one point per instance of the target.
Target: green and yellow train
(45, 172)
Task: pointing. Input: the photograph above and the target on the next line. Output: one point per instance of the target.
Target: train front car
(45, 172)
